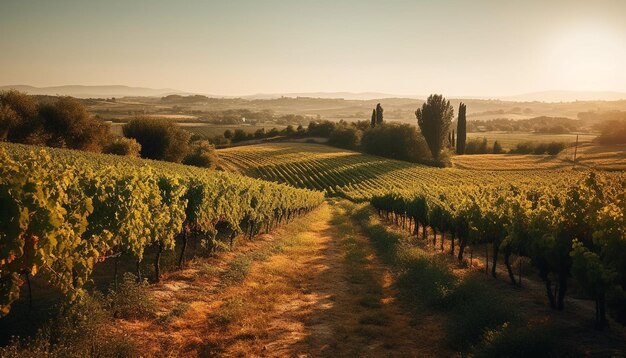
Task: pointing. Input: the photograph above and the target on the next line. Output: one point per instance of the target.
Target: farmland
(359, 176)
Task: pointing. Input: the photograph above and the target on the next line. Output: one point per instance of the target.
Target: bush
(202, 155)
(160, 139)
(551, 148)
(396, 141)
(523, 148)
(425, 279)
(132, 299)
(555, 148)
(476, 308)
(345, 137)
(123, 146)
(511, 341)
(477, 146)
(540, 148)
(78, 331)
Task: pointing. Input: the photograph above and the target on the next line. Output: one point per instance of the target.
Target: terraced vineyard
(359, 176)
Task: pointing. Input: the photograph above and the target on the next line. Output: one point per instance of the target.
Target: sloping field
(588, 156)
(359, 176)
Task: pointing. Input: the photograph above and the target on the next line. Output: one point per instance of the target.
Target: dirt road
(312, 289)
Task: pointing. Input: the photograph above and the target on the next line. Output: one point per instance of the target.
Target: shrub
(555, 148)
(78, 331)
(523, 148)
(132, 299)
(475, 309)
(477, 146)
(202, 155)
(540, 148)
(511, 341)
(426, 279)
(123, 146)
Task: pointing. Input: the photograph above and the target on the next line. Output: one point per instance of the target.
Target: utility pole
(575, 151)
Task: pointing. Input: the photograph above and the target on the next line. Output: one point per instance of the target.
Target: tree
(379, 115)
(160, 139)
(434, 119)
(461, 130)
(397, 141)
(497, 148)
(373, 122)
(345, 137)
(67, 124)
(228, 134)
(18, 116)
(239, 135)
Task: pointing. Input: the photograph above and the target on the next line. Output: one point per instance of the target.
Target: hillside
(359, 176)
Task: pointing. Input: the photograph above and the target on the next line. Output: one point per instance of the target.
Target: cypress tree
(379, 114)
(453, 140)
(373, 122)
(461, 130)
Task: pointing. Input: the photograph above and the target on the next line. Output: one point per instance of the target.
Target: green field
(509, 140)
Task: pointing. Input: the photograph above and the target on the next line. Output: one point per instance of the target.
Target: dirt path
(311, 289)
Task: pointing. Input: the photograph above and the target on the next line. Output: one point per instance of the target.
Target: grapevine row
(572, 227)
(64, 211)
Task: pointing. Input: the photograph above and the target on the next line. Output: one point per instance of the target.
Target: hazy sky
(233, 47)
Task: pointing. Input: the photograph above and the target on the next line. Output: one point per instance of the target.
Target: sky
(242, 47)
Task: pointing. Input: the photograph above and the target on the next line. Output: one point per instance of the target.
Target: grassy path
(313, 288)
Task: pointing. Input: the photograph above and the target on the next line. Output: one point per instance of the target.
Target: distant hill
(567, 96)
(127, 91)
(543, 96)
(366, 96)
(95, 91)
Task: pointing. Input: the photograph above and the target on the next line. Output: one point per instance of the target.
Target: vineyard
(65, 211)
(568, 223)
(358, 176)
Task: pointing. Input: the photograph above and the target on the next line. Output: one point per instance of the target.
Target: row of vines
(573, 227)
(61, 212)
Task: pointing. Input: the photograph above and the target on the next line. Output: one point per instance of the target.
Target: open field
(396, 109)
(508, 140)
(588, 156)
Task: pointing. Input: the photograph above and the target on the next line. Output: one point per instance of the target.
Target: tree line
(65, 123)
